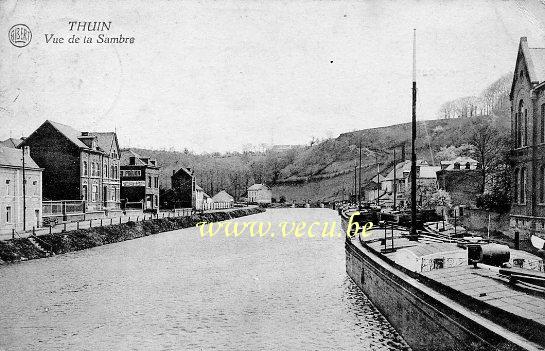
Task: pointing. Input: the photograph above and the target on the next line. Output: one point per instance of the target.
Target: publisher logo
(20, 35)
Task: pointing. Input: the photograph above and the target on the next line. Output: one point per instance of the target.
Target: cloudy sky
(215, 76)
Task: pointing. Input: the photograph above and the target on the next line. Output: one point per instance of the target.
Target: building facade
(183, 187)
(260, 194)
(528, 142)
(11, 191)
(139, 182)
(77, 165)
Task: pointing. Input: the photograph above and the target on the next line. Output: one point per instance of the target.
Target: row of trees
(494, 100)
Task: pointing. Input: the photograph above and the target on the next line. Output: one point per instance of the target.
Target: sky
(222, 75)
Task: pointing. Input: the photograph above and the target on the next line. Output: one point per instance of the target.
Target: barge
(437, 300)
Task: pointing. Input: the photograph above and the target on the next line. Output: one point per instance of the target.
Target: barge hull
(426, 319)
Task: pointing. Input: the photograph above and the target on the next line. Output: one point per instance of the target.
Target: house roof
(127, 154)
(104, 140)
(11, 142)
(258, 187)
(69, 132)
(460, 160)
(538, 59)
(184, 170)
(222, 196)
(14, 158)
(534, 59)
(429, 172)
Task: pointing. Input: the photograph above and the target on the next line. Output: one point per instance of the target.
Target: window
(131, 173)
(542, 123)
(8, 187)
(112, 194)
(85, 168)
(8, 214)
(149, 181)
(520, 125)
(522, 186)
(456, 165)
(156, 182)
(36, 188)
(105, 170)
(516, 186)
(525, 127)
(94, 193)
(542, 184)
(468, 166)
(84, 192)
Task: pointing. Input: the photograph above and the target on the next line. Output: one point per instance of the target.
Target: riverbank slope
(22, 249)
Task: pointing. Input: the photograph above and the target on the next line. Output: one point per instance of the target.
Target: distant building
(528, 135)
(183, 187)
(11, 190)
(223, 199)
(77, 165)
(460, 163)
(11, 142)
(426, 178)
(260, 194)
(139, 181)
(387, 185)
(373, 188)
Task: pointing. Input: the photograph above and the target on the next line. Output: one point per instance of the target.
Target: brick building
(139, 181)
(528, 135)
(77, 165)
(11, 191)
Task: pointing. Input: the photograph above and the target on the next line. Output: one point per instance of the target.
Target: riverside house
(79, 167)
(11, 191)
(139, 182)
(528, 149)
(259, 194)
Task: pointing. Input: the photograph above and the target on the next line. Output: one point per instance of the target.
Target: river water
(178, 291)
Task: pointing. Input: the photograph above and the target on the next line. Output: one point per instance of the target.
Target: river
(178, 291)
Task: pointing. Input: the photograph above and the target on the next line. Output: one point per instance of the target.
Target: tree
(491, 143)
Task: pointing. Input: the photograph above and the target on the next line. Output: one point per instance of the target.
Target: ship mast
(413, 234)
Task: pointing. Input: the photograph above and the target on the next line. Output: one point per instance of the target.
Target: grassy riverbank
(21, 249)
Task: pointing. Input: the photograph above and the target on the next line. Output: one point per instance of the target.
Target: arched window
(542, 184)
(456, 165)
(516, 186)
(522, 186)
(468, 166)
(521, 126)
(542, 123)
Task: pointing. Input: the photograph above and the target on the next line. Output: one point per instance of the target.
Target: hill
(323, 171)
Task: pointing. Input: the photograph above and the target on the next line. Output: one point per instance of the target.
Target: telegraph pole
(24, 190)
(355, 183)
(359, 188)
(413, 234)
(395, 180)
(378, 180)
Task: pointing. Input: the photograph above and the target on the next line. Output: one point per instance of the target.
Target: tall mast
(413, 235)
(359, 181)
(395, 180)
(24, 190)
